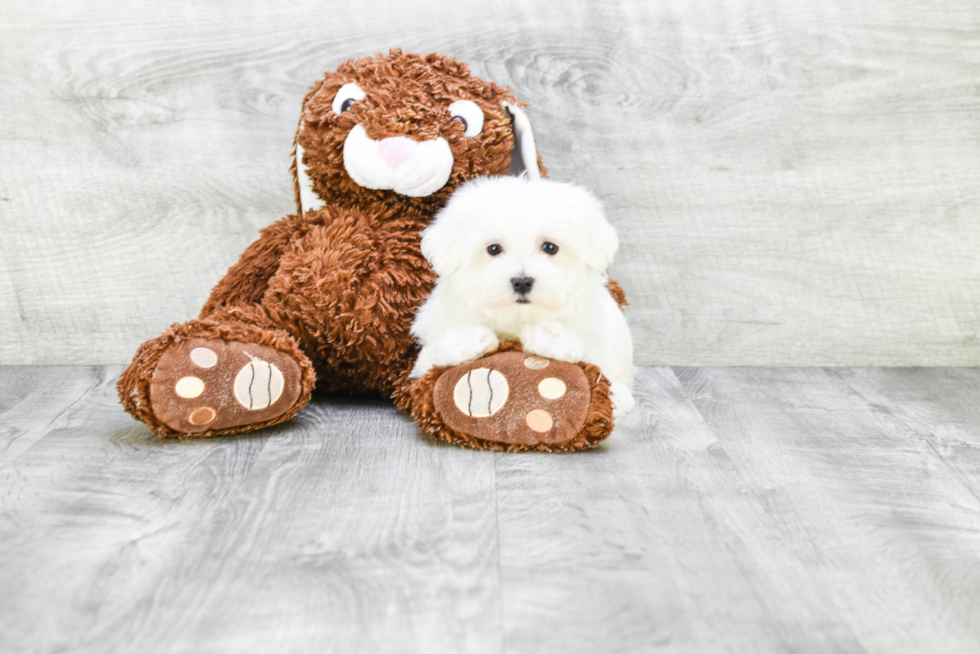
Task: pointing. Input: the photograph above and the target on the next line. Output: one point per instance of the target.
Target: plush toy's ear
(524, 159)
(306, 198)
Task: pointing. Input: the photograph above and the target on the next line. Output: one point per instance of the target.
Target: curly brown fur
(347, 290)
(419, 400)
(247, 280)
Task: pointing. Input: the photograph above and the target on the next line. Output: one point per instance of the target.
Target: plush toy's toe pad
(210, 384)
(515, 399)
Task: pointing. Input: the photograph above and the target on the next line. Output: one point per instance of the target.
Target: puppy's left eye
(549, 248)
(494, 249)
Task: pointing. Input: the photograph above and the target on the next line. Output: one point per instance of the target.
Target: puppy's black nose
(522, 285)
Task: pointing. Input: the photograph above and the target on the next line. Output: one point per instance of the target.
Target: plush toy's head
(406, 127)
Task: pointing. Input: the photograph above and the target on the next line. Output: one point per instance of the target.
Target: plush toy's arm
(617, 293)
(248, 279)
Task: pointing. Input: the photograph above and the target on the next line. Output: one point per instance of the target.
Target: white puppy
(524, 259)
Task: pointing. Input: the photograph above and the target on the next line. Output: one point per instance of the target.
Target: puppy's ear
(602, 246)
(443, 248)
(524, 158)
(448, 240)
(598, 241)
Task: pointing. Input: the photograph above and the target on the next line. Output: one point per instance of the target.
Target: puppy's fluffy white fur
(567, 314)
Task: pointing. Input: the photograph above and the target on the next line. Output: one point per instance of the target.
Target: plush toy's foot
(191, 382)
(513, 401)
(211, 385)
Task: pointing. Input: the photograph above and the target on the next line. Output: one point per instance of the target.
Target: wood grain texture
(114, 541)
(738, 510)
(795, 182)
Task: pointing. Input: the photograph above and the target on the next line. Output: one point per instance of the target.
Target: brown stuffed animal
(326, 297)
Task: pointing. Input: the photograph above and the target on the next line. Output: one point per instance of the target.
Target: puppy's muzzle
(522, 286)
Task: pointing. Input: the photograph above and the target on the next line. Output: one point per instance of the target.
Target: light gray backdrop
(795, 183)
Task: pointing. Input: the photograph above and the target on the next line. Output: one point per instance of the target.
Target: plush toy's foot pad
(205, 384)
(514, 399)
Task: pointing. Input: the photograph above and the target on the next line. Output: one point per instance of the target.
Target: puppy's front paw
(461, 345)
(622, 399)
(551, 339)
(422, 364)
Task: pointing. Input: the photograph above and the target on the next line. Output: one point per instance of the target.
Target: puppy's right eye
(494, 249)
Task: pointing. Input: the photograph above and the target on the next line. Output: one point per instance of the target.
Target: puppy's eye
(470, 114)
(549, 248)
(494, 249)
(347, 95)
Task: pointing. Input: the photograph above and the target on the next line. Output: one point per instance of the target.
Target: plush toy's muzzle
(398, 163)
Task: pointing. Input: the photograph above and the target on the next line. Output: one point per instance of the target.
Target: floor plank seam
(100, 379)
(913, 430)
(500, 571)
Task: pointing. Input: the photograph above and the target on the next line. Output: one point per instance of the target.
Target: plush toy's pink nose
(396, 150)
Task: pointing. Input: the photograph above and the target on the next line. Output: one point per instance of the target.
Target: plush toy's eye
(347, 95)
(549, 248)
(494, 249)
(471, 115)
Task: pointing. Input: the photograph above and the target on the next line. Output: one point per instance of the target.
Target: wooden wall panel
(795, 183)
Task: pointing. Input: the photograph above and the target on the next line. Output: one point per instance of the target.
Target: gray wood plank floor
(739, 510)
